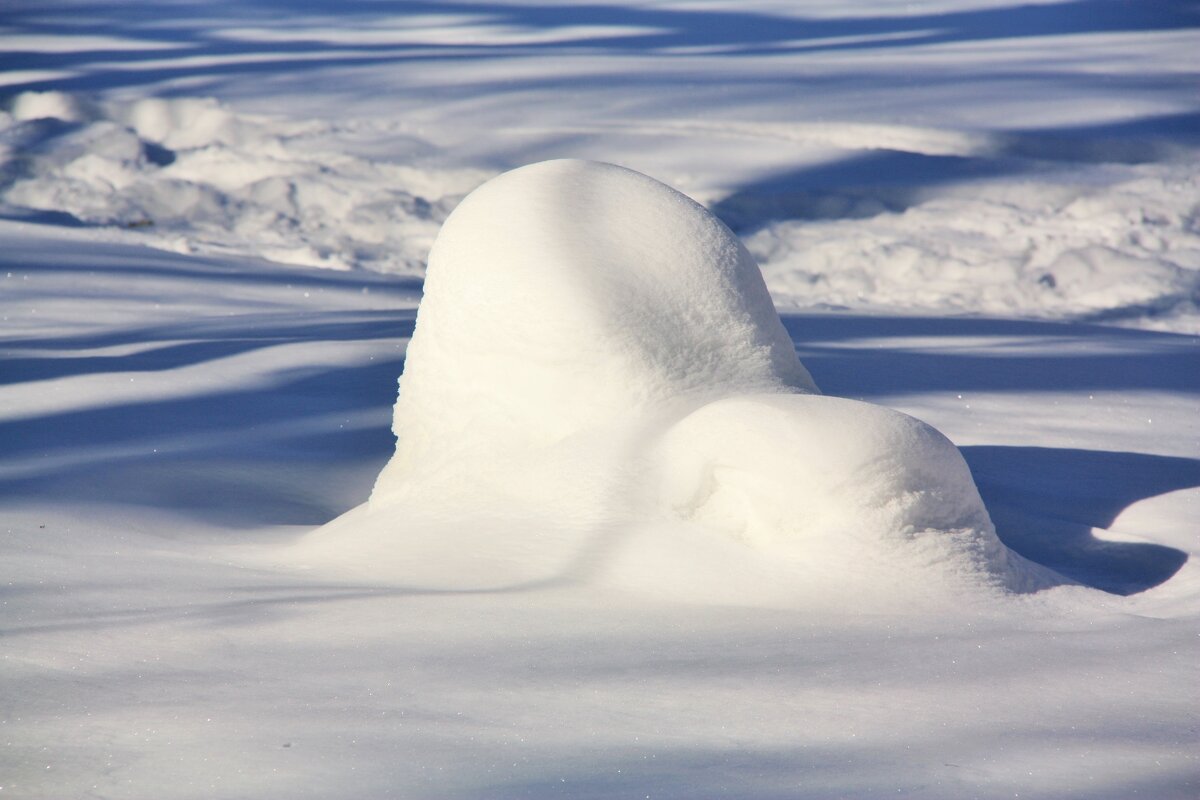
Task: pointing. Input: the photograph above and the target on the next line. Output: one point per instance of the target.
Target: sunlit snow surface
(647, 401)
(954, 203)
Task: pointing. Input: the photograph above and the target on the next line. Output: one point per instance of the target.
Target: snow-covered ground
(214, 220)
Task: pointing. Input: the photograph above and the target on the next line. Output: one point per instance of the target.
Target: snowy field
(214, 225)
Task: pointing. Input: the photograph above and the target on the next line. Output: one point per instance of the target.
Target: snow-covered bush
(598, 352)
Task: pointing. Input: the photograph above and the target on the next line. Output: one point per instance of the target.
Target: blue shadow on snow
(1044, 501)
(203, 52)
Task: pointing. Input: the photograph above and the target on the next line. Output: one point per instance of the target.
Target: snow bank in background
(569, 296)
(1114, 242)
(189, 174)
(1127, 251)
(589, 333)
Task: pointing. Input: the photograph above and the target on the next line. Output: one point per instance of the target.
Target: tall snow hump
(596, 354)
(568, 294)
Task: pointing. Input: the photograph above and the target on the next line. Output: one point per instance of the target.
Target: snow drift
(192, 175)
(588, 333)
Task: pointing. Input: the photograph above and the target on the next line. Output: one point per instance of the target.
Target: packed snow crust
(588, 333)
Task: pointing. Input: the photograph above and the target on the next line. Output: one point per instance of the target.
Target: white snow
(215, 220)
(1114, 244)
(642, 358)
(190, 175)
(1126, 251)
(571, 297)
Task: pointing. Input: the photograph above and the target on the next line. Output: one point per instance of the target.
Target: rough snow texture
(190, 175)
(588, 332)
(1125, 251)
(1116, 243)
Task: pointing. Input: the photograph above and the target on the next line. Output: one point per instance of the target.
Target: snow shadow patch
(202, 50)
(34, 216)
(842, 352)
(293, 448)
(858, 187)
(271, 455)
(1046, 502)
(864, 184)
(241, 418)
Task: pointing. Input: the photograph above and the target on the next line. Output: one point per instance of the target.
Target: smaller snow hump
(599, 386)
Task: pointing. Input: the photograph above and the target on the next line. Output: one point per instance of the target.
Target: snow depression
(587, 335)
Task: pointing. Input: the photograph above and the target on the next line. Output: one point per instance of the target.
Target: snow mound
(569, 296)
(785, 471)
(835, 501)
(51, 105)
(597, 368)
